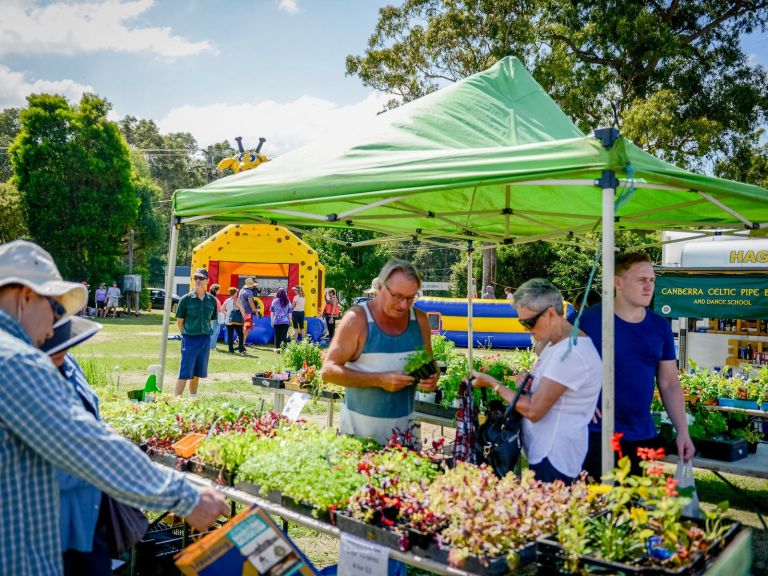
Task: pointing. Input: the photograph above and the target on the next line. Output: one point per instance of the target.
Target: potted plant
(420, 365)
(751, 436)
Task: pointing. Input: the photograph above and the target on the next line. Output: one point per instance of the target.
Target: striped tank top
(374, 412)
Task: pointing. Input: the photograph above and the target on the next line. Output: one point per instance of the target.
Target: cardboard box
(250, 544)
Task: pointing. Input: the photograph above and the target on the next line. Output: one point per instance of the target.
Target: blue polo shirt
(638, 349)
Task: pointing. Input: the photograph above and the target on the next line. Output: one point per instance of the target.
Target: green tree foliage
(749, 163)
(12, 222)
(349, 270)
(9, 128)
(72, 169)
(671, 75)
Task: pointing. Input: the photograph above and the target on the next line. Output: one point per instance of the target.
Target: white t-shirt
(298, 303)
(562, 435)
(510, 296)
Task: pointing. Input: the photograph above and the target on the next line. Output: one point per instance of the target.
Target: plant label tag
(358, 556)
(295, 404)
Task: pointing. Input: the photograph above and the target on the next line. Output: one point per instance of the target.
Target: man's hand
(482, 380)
(211, 505)
(395, 381)
(429, 384)
(685, 447)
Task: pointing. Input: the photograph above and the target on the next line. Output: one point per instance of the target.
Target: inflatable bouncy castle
(494, 322)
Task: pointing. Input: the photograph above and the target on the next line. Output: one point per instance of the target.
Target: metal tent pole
(608, 183)
(470, 334)
(170, 273)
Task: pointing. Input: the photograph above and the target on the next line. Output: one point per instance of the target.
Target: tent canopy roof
(490, 158)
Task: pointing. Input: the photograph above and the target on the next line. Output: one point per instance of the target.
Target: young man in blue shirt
(644, 357)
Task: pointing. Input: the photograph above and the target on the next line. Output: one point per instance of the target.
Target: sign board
(694, 296)
(429, 286)
(358, 556)
(727, 254)
(293, 408)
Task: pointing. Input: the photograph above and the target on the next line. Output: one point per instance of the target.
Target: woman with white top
(234, 313)
(566, 382)
(298, 313)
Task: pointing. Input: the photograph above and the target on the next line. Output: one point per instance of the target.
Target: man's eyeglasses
(529, 323)
(57, 308)
(399, 297)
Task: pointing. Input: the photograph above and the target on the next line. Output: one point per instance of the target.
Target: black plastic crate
(155, 552)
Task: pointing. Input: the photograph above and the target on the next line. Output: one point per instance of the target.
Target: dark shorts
(298, 320)
(101, 305)
(194, 356)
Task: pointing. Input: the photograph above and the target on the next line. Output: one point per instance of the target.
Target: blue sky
(272, 68)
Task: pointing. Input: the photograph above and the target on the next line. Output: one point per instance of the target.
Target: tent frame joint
(607, 180)
(607, 136)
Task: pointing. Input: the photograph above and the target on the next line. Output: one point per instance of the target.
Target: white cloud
(71, 28)
(286, 126)
(289, 6)
(15, 87)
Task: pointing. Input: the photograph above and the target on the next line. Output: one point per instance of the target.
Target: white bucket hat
(25, 263)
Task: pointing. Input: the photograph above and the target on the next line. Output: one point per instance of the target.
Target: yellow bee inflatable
(246, 159)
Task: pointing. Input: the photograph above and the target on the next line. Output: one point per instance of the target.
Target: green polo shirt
(197, 314)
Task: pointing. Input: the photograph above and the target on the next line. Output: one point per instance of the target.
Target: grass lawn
(122, 351)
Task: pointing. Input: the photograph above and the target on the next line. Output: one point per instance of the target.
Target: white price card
(358, 556)
(295, 405)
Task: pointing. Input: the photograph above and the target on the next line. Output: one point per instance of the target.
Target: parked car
(157, 298)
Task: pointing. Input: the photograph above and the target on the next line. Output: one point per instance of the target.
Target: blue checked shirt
(42, 425)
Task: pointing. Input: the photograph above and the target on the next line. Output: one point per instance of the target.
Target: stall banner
(689, 296)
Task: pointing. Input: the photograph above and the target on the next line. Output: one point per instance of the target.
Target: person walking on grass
(113, 299)
(194, 314)
(219, 320)
(280, 312)
(298, 305)
(235, 317)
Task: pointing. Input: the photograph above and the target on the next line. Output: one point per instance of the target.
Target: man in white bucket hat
(43, 426)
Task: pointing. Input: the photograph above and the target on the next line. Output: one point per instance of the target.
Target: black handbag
(126, 525)
(499, 440)
(236, 317)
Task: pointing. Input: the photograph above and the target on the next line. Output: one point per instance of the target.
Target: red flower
(616, 443)
(655, 471)
(671, 486)
(651, 453)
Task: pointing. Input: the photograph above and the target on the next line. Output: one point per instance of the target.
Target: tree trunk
(489, 270)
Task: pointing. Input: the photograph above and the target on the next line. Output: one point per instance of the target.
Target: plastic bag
(686, 487)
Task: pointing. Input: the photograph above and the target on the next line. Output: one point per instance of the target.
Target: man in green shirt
(194, 313)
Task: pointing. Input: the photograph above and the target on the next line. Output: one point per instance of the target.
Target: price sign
(358, 556)
(295, 405)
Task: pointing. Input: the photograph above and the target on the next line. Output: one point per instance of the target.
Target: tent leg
(608, 183)
(170, 273)
(470, 332)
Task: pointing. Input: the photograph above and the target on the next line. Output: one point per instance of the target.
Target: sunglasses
(57, 308)
(529, 323)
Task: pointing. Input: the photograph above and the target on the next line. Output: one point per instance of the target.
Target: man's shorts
(194, 357)
(112, 303)
(298, 320)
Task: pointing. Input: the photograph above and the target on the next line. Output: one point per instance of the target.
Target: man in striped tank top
(372, 345)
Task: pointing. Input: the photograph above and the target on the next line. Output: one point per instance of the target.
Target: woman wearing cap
(566, 382)
(298, 313)
(280, 316)
(83, 519)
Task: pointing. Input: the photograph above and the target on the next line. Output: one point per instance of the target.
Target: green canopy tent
(491, 159)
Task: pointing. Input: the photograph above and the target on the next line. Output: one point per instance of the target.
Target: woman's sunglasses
(529, 323)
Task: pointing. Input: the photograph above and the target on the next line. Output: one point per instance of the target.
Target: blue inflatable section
(263, 333)
(459, 307)
(490, 339)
